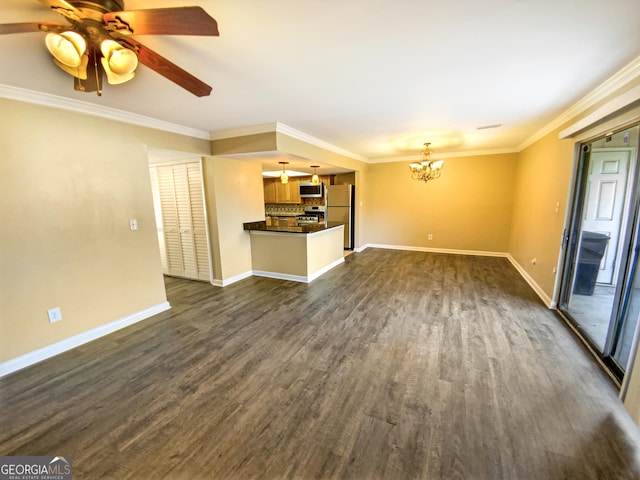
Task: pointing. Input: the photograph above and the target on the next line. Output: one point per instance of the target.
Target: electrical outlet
(133, 224)
(430, 237)
(55, 315)
(534, 261)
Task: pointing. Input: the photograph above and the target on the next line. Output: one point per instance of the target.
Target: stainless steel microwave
(309, 190)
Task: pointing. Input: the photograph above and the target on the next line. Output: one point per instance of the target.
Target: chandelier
(426, 169)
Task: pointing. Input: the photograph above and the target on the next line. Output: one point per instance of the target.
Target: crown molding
(622, 77)
(45, 99)
(278, 127)
(612, 106)
(298, 135)
(438, 156)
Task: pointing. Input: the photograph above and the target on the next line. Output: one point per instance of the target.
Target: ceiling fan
(99, 41)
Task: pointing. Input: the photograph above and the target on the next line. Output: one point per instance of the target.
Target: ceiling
(372, 77)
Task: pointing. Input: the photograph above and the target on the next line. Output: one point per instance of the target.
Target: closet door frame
(163, 246)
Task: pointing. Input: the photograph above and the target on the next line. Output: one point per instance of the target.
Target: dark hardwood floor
(395, 365)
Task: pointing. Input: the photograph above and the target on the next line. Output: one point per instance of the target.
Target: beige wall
(468, 208)
(234, 195)
(69, 185)
(261, 142)
(280, 253)
(543, 183)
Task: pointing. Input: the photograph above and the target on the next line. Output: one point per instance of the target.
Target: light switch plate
(133, 224)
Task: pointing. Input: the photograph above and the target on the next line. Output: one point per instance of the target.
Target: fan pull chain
(95, 69)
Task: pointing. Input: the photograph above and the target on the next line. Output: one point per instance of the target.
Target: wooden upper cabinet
(282, 192)
(276, 192)
(294, 190)
(269, 190)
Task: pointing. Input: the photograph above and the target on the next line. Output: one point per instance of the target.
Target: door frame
(570, 241)
(191, 159)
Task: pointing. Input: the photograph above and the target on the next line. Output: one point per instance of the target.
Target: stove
(307, 219)
(312, 214)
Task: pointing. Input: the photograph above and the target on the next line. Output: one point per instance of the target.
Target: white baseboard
(234, 279)
(523, 273)
(532, 283)
(62, 346)
(299, 278)
(436, 250)
(324, 270)
(280, 276)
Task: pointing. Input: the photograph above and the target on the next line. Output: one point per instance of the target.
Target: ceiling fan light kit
(119, 63)
(66, 47)
(99, 41)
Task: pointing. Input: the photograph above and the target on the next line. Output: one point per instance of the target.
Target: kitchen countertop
(305, 228)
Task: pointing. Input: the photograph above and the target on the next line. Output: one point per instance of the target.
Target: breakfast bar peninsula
(300, 253)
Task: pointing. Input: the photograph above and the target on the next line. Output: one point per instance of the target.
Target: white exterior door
(605, 200)
(181, 221)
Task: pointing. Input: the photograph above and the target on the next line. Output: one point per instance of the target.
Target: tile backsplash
(288, 209)
(283, 210)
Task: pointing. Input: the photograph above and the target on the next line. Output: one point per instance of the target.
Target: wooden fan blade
(7, 28)
(163, 21)
(167, 69)
(64, 8)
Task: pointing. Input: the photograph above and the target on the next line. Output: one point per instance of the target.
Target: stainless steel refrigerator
(340, 203)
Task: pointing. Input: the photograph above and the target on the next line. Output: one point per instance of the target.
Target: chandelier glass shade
(426, 169)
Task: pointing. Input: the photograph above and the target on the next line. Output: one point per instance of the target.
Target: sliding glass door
(630, 308)
(597, 292)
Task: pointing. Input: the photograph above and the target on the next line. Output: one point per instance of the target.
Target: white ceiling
(364, 75)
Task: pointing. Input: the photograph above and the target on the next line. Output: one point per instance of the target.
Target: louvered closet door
(198, 221)
(183, 221)
(155, 190)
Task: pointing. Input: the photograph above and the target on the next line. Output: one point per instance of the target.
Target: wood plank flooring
(395, 365)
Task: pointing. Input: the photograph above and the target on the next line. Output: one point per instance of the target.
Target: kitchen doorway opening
(597, 287)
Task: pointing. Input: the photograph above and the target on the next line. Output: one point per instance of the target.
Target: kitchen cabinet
(269, 190)
(276, 192)
(283, 193)
(294, 190)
